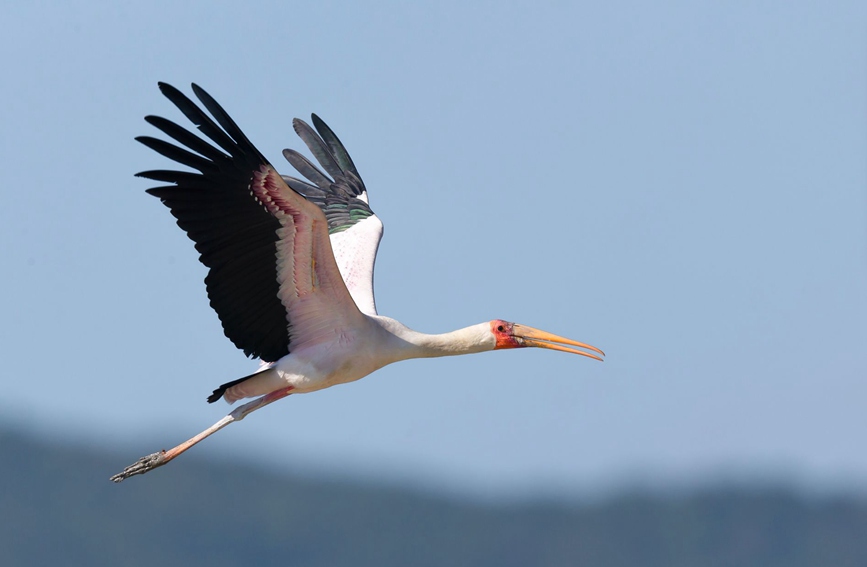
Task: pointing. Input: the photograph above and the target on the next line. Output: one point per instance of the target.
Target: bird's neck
(412, 344)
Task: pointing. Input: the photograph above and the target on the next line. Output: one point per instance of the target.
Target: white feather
(355, 253)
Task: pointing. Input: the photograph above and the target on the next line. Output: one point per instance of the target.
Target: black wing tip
(158, 121)
(298, 123)
(324, 130)
(317, 122)
(153, 143)
(164, 85)
(162, 192)
(147, 174)
(166, 88)
(203, 96)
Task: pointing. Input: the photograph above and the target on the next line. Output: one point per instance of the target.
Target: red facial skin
(503, 332)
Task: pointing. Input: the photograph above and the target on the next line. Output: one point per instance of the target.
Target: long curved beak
(530, 337)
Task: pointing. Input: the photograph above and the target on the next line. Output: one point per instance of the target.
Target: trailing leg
(154, 460)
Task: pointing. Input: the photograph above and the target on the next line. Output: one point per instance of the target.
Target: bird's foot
(141, 466)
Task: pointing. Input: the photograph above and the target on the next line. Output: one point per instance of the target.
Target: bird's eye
(501, 328)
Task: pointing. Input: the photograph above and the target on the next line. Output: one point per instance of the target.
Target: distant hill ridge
(58, 508)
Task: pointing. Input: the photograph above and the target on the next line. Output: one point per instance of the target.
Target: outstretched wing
(355, 230)
(272, 276)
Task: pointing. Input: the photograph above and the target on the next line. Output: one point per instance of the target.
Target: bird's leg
(154, 460)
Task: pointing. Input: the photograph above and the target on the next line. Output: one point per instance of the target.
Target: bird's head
(514, 335)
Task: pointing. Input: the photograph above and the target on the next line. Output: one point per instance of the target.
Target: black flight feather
(235, 236)
(330, 138)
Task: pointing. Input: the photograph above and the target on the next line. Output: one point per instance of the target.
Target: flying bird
(290, 264)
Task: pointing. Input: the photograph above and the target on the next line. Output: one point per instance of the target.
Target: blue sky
(682, 185)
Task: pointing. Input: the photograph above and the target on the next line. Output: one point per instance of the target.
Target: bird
(290, 264)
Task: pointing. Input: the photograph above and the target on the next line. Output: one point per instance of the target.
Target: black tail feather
(218, 393)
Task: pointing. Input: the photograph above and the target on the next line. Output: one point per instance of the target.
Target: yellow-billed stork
(291, 264)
